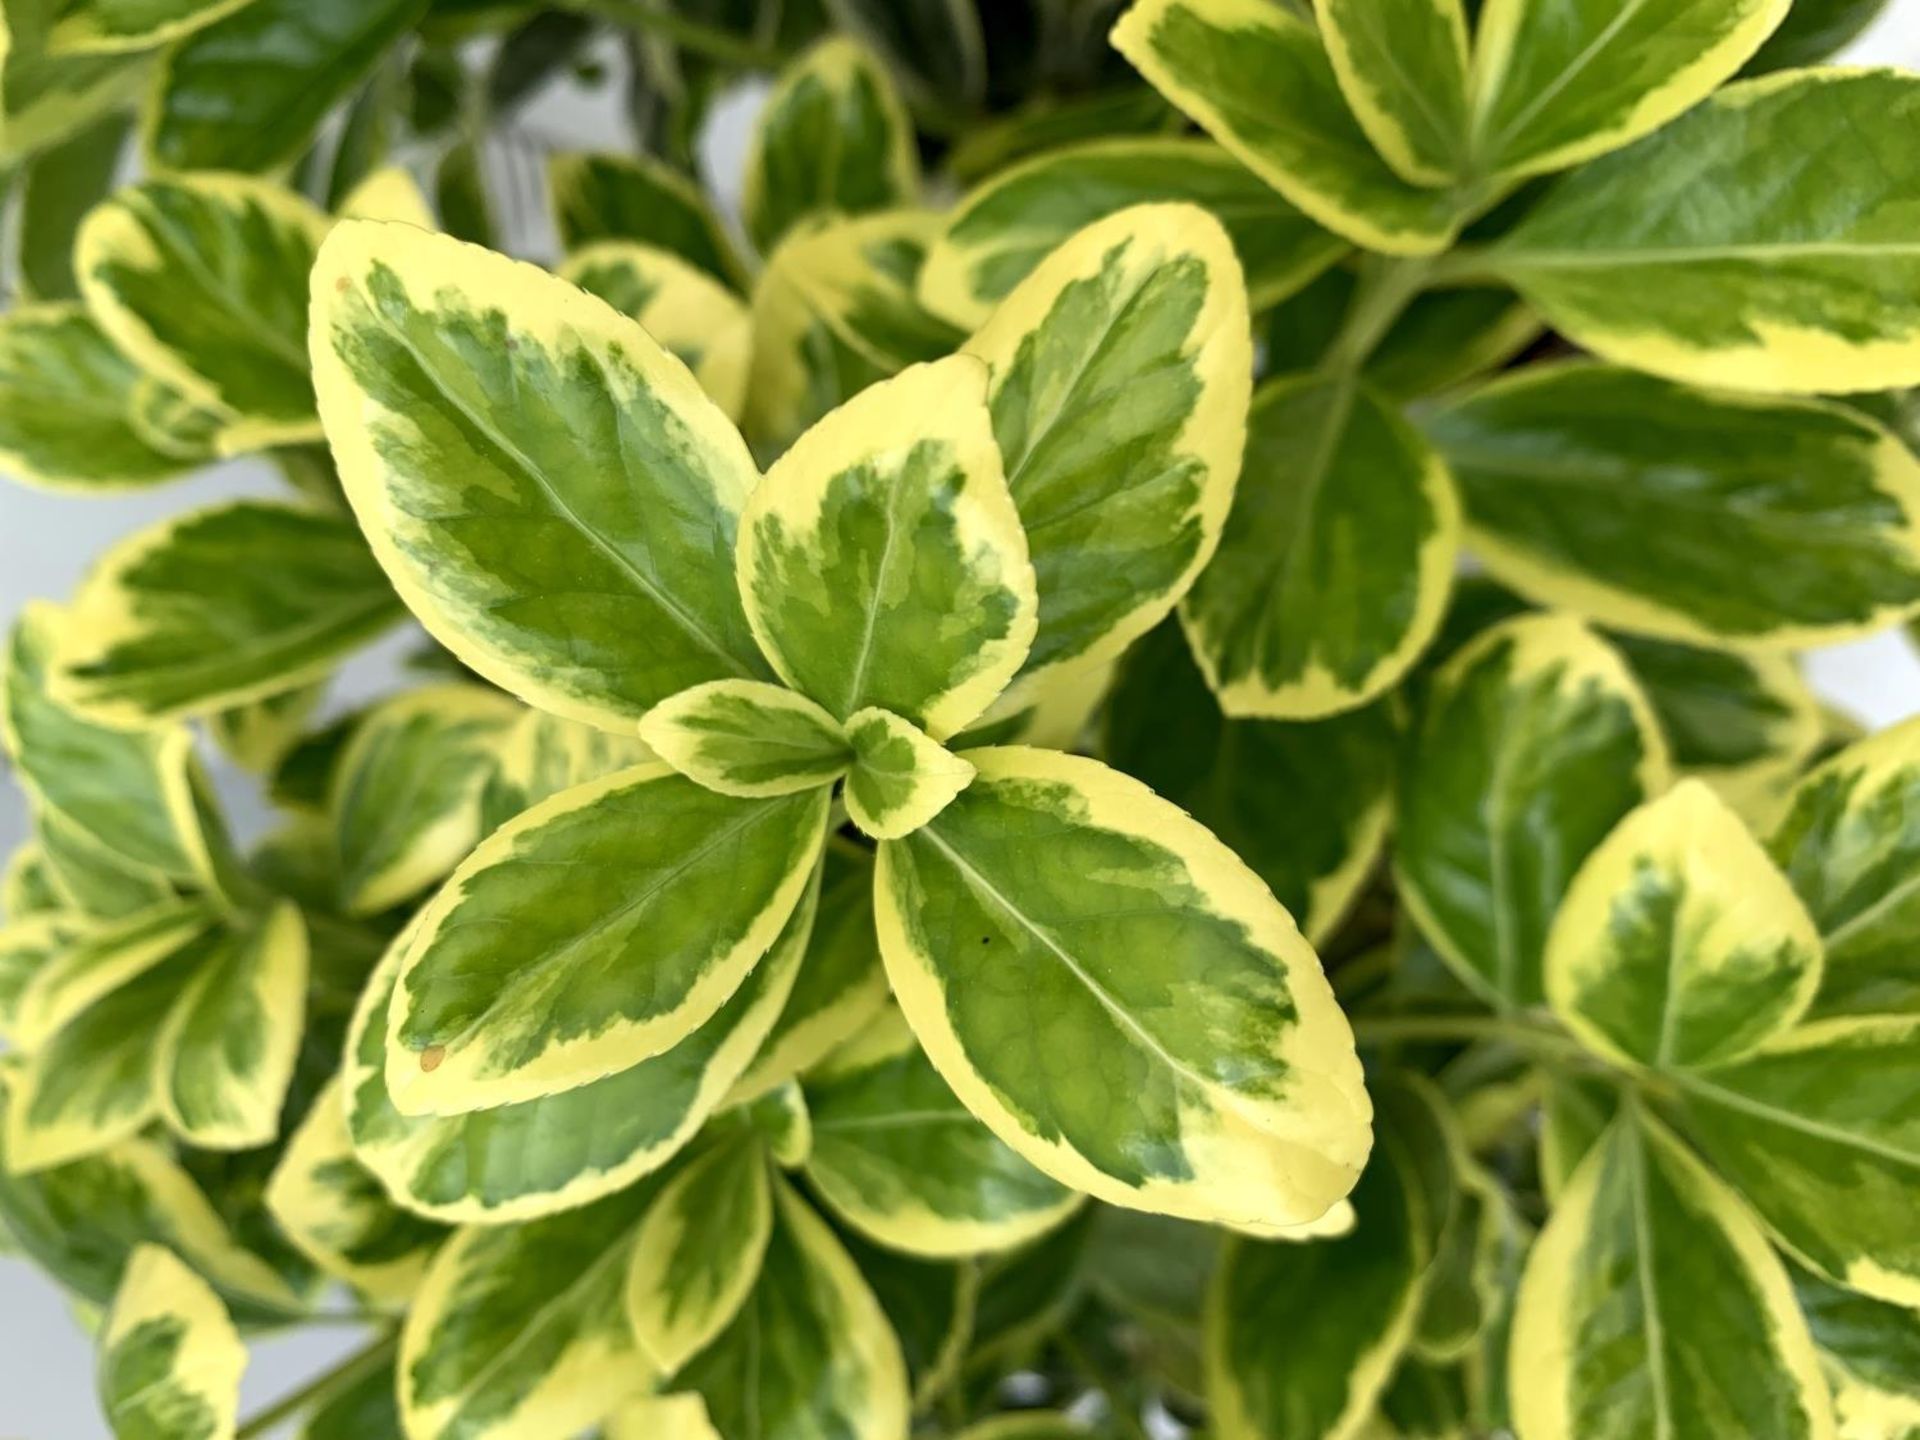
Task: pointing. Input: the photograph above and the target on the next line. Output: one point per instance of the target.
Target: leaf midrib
(1519, 258)
(615, 1252)
(1113, 1007)
(1789, 1120)
(642, 582)
(1649, 1292)
(522, 977)
(346, 617)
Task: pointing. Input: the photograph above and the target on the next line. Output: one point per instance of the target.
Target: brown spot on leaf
(342, 284)
(431, 1057)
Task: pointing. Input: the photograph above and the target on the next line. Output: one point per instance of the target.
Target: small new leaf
(748, 738)
(901, 776)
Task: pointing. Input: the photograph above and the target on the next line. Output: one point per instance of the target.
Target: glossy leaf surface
(1258, 79)
(221, 606)
(1119, 394)
(1738, 246)
(1678, 944)
(1681, 513)
(550, 492)
(1336, 561)
(597, 929)
(1002, 230)
(899, 1158)
(1010, 951)
(201, 280)
(1534, 743)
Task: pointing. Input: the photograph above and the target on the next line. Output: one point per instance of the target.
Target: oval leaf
(520, 1329)
(1256, 77)
(542, 1156)
(67, 398)
(1850, 843)
(1241, 1103)
(1715, 252)
(596, 930)
(1306, 805)
(1402, 64)
(882, 561)
(95, 1081)
(170, 1359)
(811, 1352)
(899, 1158)
(334, 1209)
(634, 197)
(746, 738)
(218, 607)
(1678, 944)
(249, 92)
(127, 790)
(697, 1253)
(1337, 559)
(201, 281)
(1651, 1305)
(549, 491)
(1709, 518)
(1555, 85)
(901, 776)
(1002, 230)
(405, 795)
(227, 1048)
(697, 319)
(1534, 743)
(1120, 380)
(833, 137)
(1821, 1132)
(1269, 1375)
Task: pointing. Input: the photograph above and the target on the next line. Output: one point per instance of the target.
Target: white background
(46, 543)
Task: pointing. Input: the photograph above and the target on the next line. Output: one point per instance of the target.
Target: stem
(1470, 265)
(1464, 1028)
(1387, 287)
(694, 35)
(320, 1388)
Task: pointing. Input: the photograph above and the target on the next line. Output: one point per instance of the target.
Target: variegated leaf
(1120, 381)
(901, 777)
(598, 929)
(882, 561)
(334, 1209)
(170, 1359)
(546, 1155)
(1534, 742)
(201, 281)
(833, 138)
(219, 607)
(899, 1158)
(1337, 558)
(697, 1253)
(405, 794)
(1245, 1107)
(510, 446)
(1652, 1305)
(747, 738)
(695, 317)
(1002, 230)
(1678, 944)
